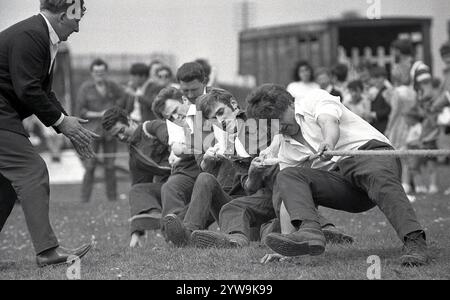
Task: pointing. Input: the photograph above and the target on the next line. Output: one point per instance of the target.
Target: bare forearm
(330, 130)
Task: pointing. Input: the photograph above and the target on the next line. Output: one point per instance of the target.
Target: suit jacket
(25, 83)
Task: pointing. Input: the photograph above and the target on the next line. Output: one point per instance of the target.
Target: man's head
(355, 89)
(323, 78)
(191, 78)
(169, 105)
(403, 49)
(219, 104)
(273, 102)
(139, 74)
(206, 68)
(445, 54)
(153, 66)
(63, 15)
(339, 73)
(164, 75)
(115, 121)
(378, 77)
(99, 70)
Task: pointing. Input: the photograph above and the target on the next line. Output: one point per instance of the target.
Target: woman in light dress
(303, 81)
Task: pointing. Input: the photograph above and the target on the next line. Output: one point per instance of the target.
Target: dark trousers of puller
(356, 185)
(176, 195)
(24, 175)
(145, 198)
(208, 198)
(109, 147)
(242, 214)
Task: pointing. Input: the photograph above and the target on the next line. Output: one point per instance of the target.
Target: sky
(190, 29)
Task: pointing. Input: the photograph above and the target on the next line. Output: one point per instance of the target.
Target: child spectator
(358, 102)
(425, 167)
(323, 79)
(380, 109)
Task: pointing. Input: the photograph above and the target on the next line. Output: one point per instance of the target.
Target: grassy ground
(107, 224)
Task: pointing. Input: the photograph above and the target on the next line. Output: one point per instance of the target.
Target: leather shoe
(59, 256)
(306, 241)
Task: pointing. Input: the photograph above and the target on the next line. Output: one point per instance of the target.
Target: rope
(394, 153)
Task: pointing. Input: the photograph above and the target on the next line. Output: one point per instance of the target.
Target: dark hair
(190, 72)
(139, 69)
(355, 85)
(340, 71)
(206, 67)
(160, 100)
(445, 49)
(377, 72)
(268, 101)
(404, 46)
(298, 65)
(59, 6)
(165, 68)
(206, 102)
(113, 116)
(98, 62)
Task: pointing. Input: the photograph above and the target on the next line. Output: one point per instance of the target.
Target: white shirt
(54, 44)
(354, 131)
(299, 90)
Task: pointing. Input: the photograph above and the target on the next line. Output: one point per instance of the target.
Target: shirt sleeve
(321, 102)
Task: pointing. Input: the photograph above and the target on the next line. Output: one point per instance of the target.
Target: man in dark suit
(27, 53)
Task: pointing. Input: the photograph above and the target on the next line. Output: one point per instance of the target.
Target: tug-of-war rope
(392, 153)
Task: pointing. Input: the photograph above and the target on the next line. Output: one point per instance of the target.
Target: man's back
(18, 69)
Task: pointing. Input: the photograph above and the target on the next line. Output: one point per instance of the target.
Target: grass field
(107, 224)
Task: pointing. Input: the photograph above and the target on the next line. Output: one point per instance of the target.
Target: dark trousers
(176, 194)
(144, 198)
(109, 146)
(241, 214)
(207, 199)
(24, 175)
(357, 185)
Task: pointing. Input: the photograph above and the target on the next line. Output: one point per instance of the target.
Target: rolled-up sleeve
(325, 103)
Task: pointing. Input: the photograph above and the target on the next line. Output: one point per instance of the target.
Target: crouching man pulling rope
(314, 126)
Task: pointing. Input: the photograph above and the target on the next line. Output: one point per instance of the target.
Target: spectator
(139, 74)
(210, 75)
(165, 76)
(358, 102)
(303, 81)
(380, 109)
(323, 78)
(191, 78)
(94, 98)
(339, 77)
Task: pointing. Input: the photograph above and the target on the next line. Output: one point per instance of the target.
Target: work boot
(175, 232)
(215, 239)
(415, 250)
(305, 241)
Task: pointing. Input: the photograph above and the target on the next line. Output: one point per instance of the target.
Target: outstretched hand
(80, 137)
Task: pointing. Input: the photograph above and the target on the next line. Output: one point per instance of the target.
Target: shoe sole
(412, 261)
(175, 231)
(337, 237)
(79, 256)
(287, 247)
(211, 239)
